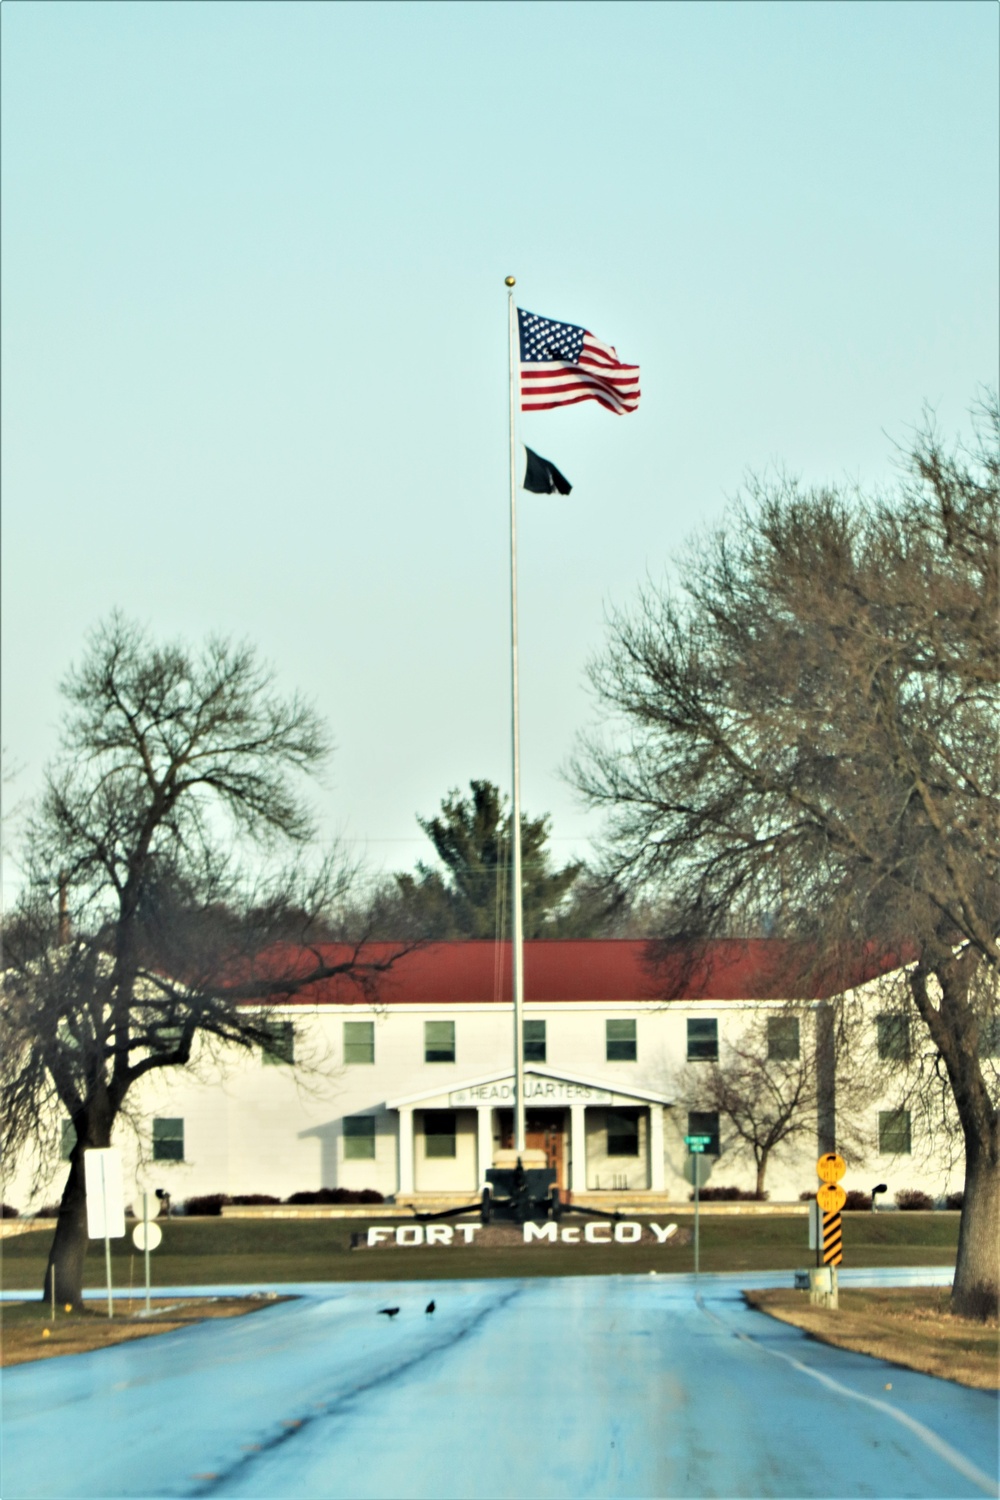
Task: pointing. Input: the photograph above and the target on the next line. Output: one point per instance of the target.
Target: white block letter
(662, 1235)
(539, 1232)
(377, 1232)
(570, 1236)
(628, 1232)
(439, 1234)
(469, 1231)
(591, 1235)
(410, 1234)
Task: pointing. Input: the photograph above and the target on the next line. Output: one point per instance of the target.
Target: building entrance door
(544, 1130)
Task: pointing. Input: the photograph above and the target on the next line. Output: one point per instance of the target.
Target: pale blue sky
(254, 371)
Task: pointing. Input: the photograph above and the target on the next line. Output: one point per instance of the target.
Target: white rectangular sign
(105, 1193)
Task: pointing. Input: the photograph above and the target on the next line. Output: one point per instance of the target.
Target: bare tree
(148, 920)
(767, 1084)
(810, 741)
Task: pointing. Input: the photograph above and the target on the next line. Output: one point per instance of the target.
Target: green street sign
(697, 1144)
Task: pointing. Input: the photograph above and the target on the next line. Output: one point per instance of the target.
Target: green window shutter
(623, 1132)
(782, 1038)
(359, 1042)
(619, 1041)
(359, 1138)
(534, 1041)
(280, 1048)
(168, 1140)
(702, 1039)
(439, 1041)
(894, 1132)
(705, 1122)
(439, 1132)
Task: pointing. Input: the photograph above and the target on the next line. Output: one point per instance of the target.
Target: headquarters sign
(537, 1091)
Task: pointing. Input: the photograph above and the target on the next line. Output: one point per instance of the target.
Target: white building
(410, 1092)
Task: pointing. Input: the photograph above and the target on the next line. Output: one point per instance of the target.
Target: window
(620, 1041)
(989, 1036)
(782, 1038)
(703, 1040)
(534, 1041)
(439, 1132)
(439, 1042)
(359, 1042)
(893, 1036)
(168, 1140)
(359, 1137)
(623, 1132)
(68, 1140)
(705, 1122)
(894, 1132)
(281, 1046)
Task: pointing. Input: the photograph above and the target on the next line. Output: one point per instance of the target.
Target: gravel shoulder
(30, 1332)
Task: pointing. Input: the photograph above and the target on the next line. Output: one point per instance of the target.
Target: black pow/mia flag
(543, 478)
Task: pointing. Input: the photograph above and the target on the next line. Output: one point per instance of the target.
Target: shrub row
(211, 1204)
(728, 1195)
(906, 1198)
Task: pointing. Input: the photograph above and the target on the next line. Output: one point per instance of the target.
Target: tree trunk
(69, 1244)
(977, 1270)
(761, 1171)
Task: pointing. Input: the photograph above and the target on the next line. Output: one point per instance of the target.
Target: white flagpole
(516, 903)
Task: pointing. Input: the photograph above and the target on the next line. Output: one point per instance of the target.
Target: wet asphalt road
(589, 1386)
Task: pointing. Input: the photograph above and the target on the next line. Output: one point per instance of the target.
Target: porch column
(405, 1150)
(656, 1174)
(484, 1139)
(578, 1148)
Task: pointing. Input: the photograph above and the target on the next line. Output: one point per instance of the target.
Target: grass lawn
(909, 1326)
(255, 1252)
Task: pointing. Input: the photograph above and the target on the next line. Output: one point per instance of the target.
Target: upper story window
(359, 1042)
(168, 1140)
(439, 1041)
(619, 1041)
(703, 1039)
(280, 1046)
(893, 1036)
(782, 1038)
(534, 1041)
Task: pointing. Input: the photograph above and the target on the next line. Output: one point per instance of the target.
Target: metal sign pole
(145, 1231)
(697, 1184)
(107, 1238)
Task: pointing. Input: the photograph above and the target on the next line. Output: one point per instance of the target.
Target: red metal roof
(476, 973)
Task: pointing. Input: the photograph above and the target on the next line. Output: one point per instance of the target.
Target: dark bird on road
(430, 1307)
(388, 1312)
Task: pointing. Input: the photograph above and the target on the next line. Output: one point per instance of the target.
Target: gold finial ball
(508, 281)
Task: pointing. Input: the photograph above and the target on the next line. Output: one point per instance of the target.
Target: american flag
(562, 364)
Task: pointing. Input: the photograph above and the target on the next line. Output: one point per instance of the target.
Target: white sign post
(102, 1169)
(147, 1236)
